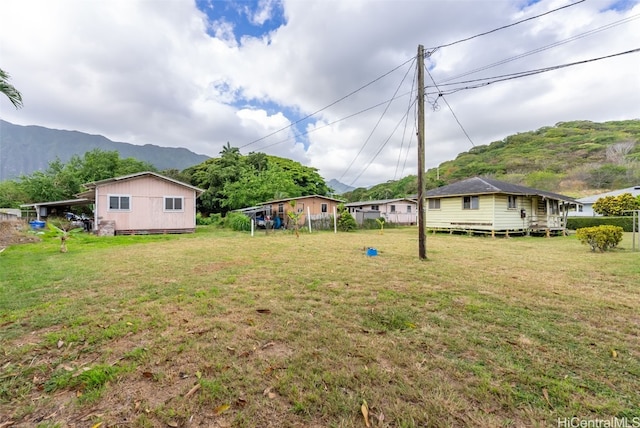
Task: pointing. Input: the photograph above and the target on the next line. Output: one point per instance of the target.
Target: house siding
(146, 205)
(311, 204)
(493, 214)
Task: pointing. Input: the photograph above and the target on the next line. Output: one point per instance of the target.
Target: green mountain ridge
(574, 158)
(26, 149)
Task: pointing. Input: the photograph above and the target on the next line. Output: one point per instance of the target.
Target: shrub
(600, 237)
(212, 219)
(237, 221)
(346, 222)
(626, 223)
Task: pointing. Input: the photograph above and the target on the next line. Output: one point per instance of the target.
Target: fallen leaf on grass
(365, 413)
(148, 375)
(60, 343)
(263, 311)
(172, 424)
(221, 408)
(98, 425)
(614, 354)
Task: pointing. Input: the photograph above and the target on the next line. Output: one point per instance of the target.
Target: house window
(375, 208)
(280, 208)
(470, 202)
(323, 208)
(393, 208)
(434, 204)
(513, 202)
(173, 203)
(119, 202)
(408, 209)
(300, 207)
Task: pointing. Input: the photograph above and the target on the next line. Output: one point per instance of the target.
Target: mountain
(573, 158)
(26, 149)
(569, 157)
(339, 187)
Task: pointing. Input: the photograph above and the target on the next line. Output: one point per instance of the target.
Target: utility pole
(422, 236)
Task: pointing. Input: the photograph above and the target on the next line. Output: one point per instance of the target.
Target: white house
(400, 210)
(488, 206)
(586, 207)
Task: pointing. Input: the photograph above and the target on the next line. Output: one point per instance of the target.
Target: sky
(328, 83)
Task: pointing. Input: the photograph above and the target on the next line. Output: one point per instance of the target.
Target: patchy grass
(222, 329)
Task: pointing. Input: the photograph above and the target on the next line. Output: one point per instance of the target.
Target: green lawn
(219, 328)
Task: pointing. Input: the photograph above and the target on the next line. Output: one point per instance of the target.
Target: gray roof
(635, 191)
(487, 186)
(379, 202)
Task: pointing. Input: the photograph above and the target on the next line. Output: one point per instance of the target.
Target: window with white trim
(408, 209)
(393, 208)
(470, 202)
(173, 203)
(513, 202)
(434, 204)
(324, 208)
(119, 202)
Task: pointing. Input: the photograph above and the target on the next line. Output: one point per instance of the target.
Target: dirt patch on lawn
(15, 232)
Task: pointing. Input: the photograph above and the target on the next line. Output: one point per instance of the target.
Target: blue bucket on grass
(372, 252)
(37, 224)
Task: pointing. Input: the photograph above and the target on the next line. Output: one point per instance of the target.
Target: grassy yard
(222, 329)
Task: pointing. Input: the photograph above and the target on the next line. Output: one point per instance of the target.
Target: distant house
(144, 202)
(585, 209)
(400, 210)
(319, 208)
(490, 206)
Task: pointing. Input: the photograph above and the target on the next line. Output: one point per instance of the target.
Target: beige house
(144, 202)
(486, 205)
(399, 211)
(319, 208)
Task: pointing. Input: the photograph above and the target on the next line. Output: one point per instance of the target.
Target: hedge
(626, 223)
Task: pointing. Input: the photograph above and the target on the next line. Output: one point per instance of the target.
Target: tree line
(230, 182)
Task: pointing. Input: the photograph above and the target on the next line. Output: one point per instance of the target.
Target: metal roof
(635, 191)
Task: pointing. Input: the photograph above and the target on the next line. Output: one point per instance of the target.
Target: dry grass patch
(221, 329)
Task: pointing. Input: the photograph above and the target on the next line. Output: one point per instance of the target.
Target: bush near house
(626, 223)
(600, 238)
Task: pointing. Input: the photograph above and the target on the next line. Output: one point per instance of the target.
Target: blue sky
(247, 18)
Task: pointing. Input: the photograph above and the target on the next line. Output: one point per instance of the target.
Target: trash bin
(37, 224)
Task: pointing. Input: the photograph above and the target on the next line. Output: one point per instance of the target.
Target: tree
(346, 222)
(63, 181)
(295, 217)
(616, 205)
(9, 90)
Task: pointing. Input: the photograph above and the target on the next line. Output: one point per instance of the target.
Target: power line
(543, 48)
(489, 80)
(450, 109)
(431, 50)
(330, 105)
(376, 125)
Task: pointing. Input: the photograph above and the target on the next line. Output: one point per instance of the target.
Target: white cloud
(149, 72)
